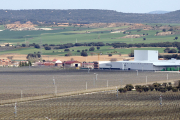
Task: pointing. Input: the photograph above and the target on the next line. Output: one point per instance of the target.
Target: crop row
(103, 105)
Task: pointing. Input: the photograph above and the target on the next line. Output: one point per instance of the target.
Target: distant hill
(84, 16)
(158, 12)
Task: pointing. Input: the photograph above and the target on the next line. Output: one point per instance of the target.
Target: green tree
(83, 53)
(109, 55)
(98, 47)
(30, 64)
(91, 49)
(164, 30)
(20, 64)
(25, 64)
(176, 38)
(129, 87)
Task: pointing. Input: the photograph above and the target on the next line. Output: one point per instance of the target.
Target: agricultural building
(58, 63)
(8, 63)
(143, 60)
(88, 65)
(49, 64)
(54, 60)
(72, 64)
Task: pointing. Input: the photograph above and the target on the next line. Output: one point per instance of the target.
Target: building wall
(140, 55)
(152, 55)
(72, 65)
(145, 55)
(128, 65)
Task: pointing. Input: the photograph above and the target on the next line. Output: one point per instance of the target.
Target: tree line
(152, 87)
(115, 45)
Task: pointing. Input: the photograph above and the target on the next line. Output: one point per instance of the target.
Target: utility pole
(40, 44)
(15, 110)
(160, 100)
(117, 92)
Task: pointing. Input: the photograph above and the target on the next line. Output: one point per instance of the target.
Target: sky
(126, 6)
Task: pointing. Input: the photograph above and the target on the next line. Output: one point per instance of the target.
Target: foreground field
(103, 105)
(39, 81)
(19, 83)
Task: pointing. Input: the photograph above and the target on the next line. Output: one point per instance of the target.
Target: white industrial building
(143, 60)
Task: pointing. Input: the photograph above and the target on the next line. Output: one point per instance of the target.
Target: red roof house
(72, 64)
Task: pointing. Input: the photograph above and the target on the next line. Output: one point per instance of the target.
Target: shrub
(178, 84)
(174, 89)
(169, 83)
(161, 89)
(36, 46)
(23, 45)
(78, 50)
(66, 49)
(140, 90)
(129, 87)
(172, 51)
(156, 88)
(67, 55)
(166, 50)
(164, 30)
(109, 55)
(151, 87)
(145, 88)
(131, 54)
(169, 88)
(84, 54)
(91, 49)
(124, 90)
(121, 90)
(138, 87)
(156, 84)
(164, 84)
(7, 45)
(47, 48)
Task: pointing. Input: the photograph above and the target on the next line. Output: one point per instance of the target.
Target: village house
(88, 65)
(8, 63)
(58, 63)
(72, 64)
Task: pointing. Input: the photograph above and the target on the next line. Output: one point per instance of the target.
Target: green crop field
(1, 27)
(63, 35)
(105, 50)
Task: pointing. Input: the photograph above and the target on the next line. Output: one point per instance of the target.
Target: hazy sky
(128, 6)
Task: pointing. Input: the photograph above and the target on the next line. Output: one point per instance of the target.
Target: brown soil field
(63, 58)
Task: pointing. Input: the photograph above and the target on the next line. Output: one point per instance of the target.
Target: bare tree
(10, 57)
